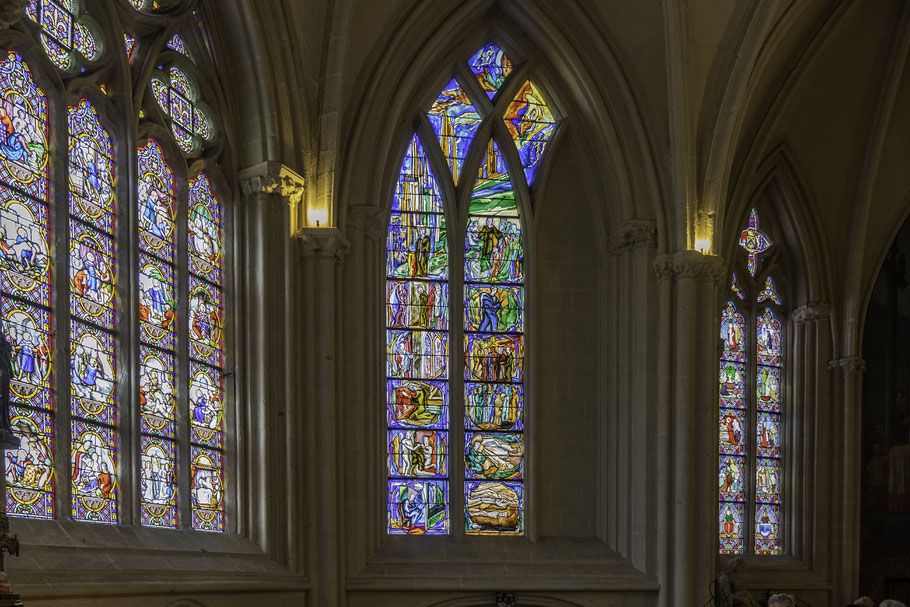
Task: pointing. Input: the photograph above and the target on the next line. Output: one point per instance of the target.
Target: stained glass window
(491, 67)
(157, 316)
(63, 32)
(494, 354)
(25, 281)
(129, 42)
(176, 43)
(417, 346)
(531, 124)
(490, 307)
(92, 342)
(749, 476)
(206, 320)
(178, 98)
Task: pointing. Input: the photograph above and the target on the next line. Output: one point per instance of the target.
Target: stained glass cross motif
(62, 32)
(753, 241)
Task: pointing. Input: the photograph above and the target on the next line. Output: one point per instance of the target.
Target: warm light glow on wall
(317, 218)
(702, 245)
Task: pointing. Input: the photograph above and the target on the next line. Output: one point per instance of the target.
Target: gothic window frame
(747, 293)
(456, 199)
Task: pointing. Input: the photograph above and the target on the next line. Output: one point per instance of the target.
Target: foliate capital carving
(273, 178)
(368, 219)
(690, 265)
(632, 235)
(851, 366)
(11, 11)
(816, 310)
(323, 243)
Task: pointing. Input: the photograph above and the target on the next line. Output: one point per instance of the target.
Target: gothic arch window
(455, 425)
(751, 400)
(118, 367)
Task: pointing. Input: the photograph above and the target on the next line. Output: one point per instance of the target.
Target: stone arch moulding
(409, 56)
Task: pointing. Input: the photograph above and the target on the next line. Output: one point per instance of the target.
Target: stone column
(687, 411)
(806, 433)
(363, 366)
(629, 497)
(270, 400)
(847, 389)
(322, 250)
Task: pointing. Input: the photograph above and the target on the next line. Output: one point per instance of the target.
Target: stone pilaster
(322, 251)
(687, 417)
(275, 178)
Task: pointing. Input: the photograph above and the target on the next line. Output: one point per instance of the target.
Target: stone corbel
(816, 310)
(690, 265)
(272, 177)
(11, 11)
(632, 235)
(323, 243)
(369, 220)
(850, 366)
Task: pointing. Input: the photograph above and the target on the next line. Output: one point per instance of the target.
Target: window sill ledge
(494, 563)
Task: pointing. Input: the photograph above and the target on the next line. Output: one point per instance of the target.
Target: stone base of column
(10, 600)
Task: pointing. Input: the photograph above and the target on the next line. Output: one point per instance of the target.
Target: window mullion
(181, 384)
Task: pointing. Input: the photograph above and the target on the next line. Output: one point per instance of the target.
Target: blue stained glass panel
(494, 250)
(418, 507)
(416, 190)
(415, 304)
(207, 489)
(493, 455)
(454, 120)
(491, 67)
(494, 508)
(24, 250)
(417, 404)
(157, 206)
(206, 405)
(93, 374)
(206, 321)
(531, 124)
(767, 480)
(767, 529)
(416, 246)
(732, 432)
(157, 401)
(418, 453)
(494, 406)
(157, 486)
(492, 194)
(767, 439)
(731, 528)
(27, 328)
(494, 309)
(496, 358)
(95, 479)
(417, 354)
(30, 468)
(23, 113)
(731, 478)
(91, 275)
(91, 168)
(205, 231)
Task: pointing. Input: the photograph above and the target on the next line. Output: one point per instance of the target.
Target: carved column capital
(11, 11)
(850, 366)
(690, 265)
(323, 243)
(272, 177)
(368, 219)
(816, 310)
(632, 235)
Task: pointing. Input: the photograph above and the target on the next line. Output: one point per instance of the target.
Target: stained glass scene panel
(157, 206)
(494, 250)
(531, 124)
(157, 403)
(494, 406)
(91, 275)
(206, 408)
(30, 468)
(91, 168)
(95, 483)
(768, 339)
(207, 489)
(205, 232)
(23, 111)
(28, 330)
(768, 389)
(417, 404)
(157, 486)
(418, 507)
(731, 478)
(92, 374)
(24, 257)
(732, 432)
(767, 529)
(493, 455)
(494, 508)
(732, 331)
(206, 321)
(454, 120)
(494, 309)
(157, 307)
(417, 352)
(767, 435)
(732, 390)
(767, 480)
(492, 194)
(491, 67)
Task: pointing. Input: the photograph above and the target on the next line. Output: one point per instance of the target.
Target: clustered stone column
(632, 468)
(687, 422)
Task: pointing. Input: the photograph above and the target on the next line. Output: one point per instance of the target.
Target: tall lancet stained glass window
(489, 306)
(92, 314)
(206, 320)
(157, 342)
(751, 373)
(417, 351)
(25, 281)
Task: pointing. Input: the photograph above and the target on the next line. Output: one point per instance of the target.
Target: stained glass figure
(207, 489)
(179, 100)
(206, 410)
(491, 67)
(754, 242)
(731, 528)
(205, 231)
(63, 32)
(769, 292)
(94, 462)
(417, 352)
(24, 262)
(23, 111)
(176, 44)
(157, 203)
(732, 331)
(30, 468)
(531, 124)
(494, 352)
(767, 529)
(206, 314)
(157, 401)
(157, 485)
(735, 288)
(454, 120)
(129, 42)
(767, 430)
(93, 379)
(732, 432)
